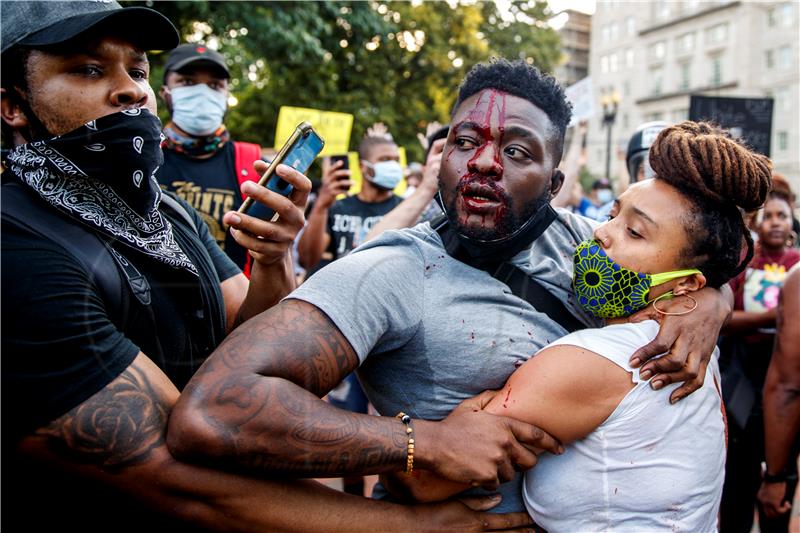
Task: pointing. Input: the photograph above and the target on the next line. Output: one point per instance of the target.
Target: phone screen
(300, 157)
(345, 158)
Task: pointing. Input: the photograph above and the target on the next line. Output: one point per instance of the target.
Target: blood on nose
(486, 160)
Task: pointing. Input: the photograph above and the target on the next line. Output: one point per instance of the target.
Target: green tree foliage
(393, 62)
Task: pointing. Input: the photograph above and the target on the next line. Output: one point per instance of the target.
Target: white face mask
(198, 109)
(387, 173)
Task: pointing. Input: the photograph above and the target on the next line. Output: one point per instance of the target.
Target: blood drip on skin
(505, 402)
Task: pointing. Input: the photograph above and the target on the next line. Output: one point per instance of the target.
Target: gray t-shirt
(431, 331)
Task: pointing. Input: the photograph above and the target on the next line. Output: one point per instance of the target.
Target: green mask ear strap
(663, 277)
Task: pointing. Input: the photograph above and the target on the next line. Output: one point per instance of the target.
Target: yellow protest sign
(334, 127)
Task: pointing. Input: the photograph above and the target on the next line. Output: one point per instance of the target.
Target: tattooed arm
(255, 404)
(116, 438)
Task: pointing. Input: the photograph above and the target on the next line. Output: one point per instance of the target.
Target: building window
(685, 73)
(679, 115)
(690, 6)
(783, 141)
(656, 80)
(613, 32)
(613, 62)
(662, 9)
(782, 99)
(786, 14)
(629, 57)
(626, 88)
(652, 117)
(686, 42)
(605, 31)
(781, 15)
(630, 26)
(772, 17)
(785, 57)
(657, 51)
(769, 59)
(717, 34)
(716, 70)
(604, 64)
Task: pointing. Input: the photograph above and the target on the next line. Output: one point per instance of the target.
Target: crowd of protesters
(166, 367)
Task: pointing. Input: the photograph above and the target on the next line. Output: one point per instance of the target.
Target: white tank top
(650, 466)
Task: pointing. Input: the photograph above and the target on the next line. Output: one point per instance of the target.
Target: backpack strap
(524, 286)
(107, 266)
(246, 155)
(521, 284)
(168, 200)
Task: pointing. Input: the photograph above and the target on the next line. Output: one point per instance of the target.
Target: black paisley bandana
(195, 146)
(102, 174)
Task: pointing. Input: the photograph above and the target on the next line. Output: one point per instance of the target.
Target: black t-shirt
(62, 342)
(211, 187)
(350, 219)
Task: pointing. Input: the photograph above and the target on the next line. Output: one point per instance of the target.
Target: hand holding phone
(335, 179)
(345, 161)
(299, 152)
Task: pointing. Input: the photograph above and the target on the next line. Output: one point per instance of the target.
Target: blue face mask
(607, 289)
(198, 109)
(387, 174)
(604, 196)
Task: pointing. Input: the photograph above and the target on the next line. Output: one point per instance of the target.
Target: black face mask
(488, 254)
(102, 174)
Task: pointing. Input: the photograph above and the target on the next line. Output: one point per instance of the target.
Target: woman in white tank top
(632, 461)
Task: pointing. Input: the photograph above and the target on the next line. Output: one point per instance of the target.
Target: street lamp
(610, 103)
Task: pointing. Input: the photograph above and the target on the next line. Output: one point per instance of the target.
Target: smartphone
(303, 146)
(345, 158)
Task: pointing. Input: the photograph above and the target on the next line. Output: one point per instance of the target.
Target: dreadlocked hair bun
(707, 159)
(718, 175)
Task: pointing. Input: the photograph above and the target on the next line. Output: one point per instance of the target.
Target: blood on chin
(488, 223)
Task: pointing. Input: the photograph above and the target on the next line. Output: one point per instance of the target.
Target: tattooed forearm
(116, 428)
(295, 341)
(255, 402)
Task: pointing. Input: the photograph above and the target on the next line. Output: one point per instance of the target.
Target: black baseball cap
(40, 24)
(639, 147)
(189, 54)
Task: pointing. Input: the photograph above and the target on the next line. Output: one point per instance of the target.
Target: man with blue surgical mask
(600, 200)
(202, 164)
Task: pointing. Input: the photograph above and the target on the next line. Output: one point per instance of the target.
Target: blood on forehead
(481, 118)
(482, 112)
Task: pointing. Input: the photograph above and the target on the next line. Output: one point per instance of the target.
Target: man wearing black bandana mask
(114, 294)
(426, 320)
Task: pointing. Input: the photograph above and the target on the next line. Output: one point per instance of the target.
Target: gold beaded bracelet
(406, 420)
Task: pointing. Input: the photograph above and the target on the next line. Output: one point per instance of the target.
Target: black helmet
(639, 145)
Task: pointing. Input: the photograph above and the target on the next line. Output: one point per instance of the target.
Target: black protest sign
(747, 118)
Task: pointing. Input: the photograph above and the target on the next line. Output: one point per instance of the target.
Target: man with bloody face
(421, 316)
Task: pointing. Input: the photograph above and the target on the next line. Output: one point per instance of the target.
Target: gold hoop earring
(665, 313)
(791, 239)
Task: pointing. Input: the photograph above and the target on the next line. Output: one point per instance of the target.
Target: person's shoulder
(615, 342)
(345, 204)
(577, 223)
(413, 238)
(791, 257)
